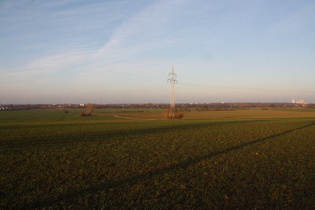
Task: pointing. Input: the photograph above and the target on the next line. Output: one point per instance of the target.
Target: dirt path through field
(137, 118)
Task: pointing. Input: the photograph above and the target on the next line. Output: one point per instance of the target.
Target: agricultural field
(256, 159)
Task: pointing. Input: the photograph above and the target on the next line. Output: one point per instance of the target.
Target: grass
(232, 159)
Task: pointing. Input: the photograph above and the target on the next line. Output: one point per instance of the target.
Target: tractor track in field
(136, 118)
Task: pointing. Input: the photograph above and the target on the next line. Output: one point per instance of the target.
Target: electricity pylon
(172, 80)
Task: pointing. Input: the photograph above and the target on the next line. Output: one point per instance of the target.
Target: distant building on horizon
(298, 102)
(2, 108)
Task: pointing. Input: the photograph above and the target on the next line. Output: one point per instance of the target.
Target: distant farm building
(298, 102)
(2, 108)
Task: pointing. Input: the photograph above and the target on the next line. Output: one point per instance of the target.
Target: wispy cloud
(139, 32)
(67, 37)
(46, 66)
(143, 31)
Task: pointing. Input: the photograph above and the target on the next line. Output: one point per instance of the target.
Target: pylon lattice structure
(172, 80)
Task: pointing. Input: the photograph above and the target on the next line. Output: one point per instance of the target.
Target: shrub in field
(84, 114)
(176, 116)
(179, 115)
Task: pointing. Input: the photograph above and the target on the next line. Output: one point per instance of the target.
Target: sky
(121, 51)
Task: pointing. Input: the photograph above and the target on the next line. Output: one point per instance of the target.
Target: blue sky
(121, 51)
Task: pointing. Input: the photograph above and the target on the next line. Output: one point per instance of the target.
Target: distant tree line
(183, 107)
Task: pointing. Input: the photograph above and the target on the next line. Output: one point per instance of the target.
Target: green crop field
(253, 159)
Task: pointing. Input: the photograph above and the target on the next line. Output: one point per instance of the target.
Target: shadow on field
(81, 135)
(134, 179)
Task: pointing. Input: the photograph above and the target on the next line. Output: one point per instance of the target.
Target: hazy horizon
(122, 51)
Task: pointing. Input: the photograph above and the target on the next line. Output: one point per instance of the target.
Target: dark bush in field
(176, 116)
(84, 114)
